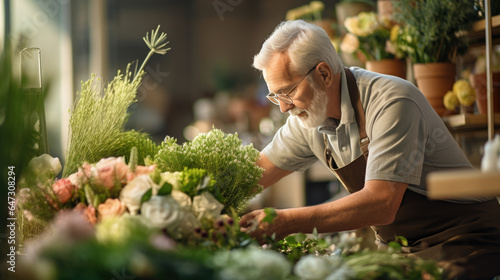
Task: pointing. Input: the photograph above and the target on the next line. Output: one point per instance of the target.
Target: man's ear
(326, 74)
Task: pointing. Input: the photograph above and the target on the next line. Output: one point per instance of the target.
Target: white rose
(45, 164)
(173, 178)
(162, 211)
(252, 263)
(183, 199)
(312, 267)
(189, 223)
(132, 193)
(206, 206)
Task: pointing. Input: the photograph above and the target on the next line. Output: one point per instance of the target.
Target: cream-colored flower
(206, 206)
(132, 193)
(367, 23)
(173, 178)
(182, 199)
(364, 24)
(45, 165)
(111, 208)
(349, 44)
(120, 229)
(189, 223)
(351, 24)
(162, 212)
(316, 267)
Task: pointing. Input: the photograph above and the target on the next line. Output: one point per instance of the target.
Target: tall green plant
(434, 30)
(98, 120)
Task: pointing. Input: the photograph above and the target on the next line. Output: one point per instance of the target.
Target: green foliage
(223, 156)
(97, 122)
(194, 180)
(386, 264)
(296, 246)
(270, 215)
(434, 30)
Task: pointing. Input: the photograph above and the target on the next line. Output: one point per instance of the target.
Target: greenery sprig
(97, 122)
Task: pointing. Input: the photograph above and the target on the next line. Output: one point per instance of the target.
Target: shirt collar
(347, 112)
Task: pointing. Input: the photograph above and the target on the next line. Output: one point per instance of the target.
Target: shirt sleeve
(289, 149)
(397, 143)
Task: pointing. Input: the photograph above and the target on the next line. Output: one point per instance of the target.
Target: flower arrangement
(128, 246)
(434, 29)
(224, 156)
(372, 35)
(159, 212)
(179, 203)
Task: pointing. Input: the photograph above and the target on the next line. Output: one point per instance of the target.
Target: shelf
(463, 184)
(476, 36)
(465, 122)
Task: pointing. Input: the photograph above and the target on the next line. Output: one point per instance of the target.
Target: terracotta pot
(327, 25)
(435, 80)
(394, 67)
(384, 7)
(478, 82)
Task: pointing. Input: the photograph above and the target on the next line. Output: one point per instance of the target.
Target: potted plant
(375, 37)
(478, 81)
(433, 37)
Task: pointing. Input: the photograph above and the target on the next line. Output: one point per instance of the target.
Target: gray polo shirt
(407, 138)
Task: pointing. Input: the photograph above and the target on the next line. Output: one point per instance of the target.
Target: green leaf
(147, 196)
(132, 164)
(300, 237)
(290, 240)
(166, 189)
(402, 240)
(394, 245)
(155, 176)
(315, 233)
(270, 215)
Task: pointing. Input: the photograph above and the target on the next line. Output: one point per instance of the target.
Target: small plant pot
(435, 80)
(478, 82)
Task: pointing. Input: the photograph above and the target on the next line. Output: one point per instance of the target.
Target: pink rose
(111, 171)
(141, 170)
(64, 190)
(88, 212)
(111, 208)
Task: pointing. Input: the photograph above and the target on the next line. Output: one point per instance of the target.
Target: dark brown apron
(464, 238)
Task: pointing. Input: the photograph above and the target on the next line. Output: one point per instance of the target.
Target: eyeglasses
(285, 97)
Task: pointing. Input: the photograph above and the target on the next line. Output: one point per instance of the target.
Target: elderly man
(381, 138)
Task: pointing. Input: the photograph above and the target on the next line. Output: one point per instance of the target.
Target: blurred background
(206, 80)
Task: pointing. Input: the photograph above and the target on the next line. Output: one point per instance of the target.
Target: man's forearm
(374, 205)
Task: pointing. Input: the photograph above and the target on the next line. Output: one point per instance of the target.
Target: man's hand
(257, 226)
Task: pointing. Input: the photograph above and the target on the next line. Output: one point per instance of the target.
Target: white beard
(315, 115)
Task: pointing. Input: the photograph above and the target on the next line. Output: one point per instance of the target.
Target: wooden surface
(469, 121)
(463, 184)
(476, 36)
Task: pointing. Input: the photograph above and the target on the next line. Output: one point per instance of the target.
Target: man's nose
(284, 107)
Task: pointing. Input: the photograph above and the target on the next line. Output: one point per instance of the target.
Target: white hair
(305, 44)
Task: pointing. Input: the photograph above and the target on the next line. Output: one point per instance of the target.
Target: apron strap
(359, 113)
